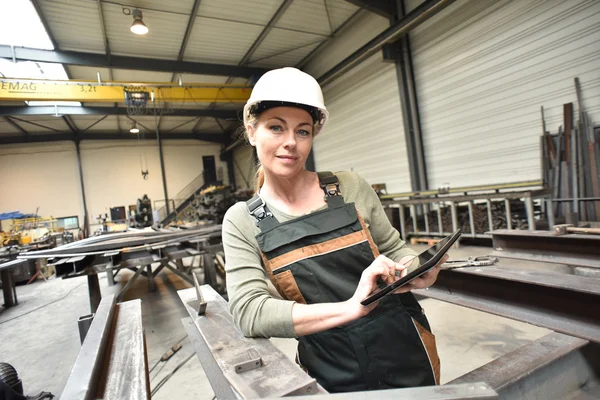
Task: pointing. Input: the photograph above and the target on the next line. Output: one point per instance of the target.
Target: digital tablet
(427, 260)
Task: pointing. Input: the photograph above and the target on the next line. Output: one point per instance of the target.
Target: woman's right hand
(381, 268)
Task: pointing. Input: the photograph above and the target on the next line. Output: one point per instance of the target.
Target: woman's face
(283, 138)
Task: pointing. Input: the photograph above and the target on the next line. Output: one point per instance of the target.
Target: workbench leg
(151, 283)
(129, 283)
(550, 214)
(210, 271)
(508, 214)
(489, 214)
(530, 215)
(94, 291)
(7, 288)
(402, 222)
(454, 221)
(110, 277)
(413, 215)
(471, 218)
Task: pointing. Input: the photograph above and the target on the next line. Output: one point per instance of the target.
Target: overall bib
(319, 258)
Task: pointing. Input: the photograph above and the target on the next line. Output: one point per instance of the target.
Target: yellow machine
(27, 230)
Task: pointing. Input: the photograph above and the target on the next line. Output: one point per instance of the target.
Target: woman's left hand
(423, 281)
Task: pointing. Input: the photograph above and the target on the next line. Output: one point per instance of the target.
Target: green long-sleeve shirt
(256, 306)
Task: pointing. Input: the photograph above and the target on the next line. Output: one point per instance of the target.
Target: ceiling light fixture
(138, 27)
(134, 128)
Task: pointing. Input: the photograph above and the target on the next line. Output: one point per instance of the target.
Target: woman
(305, 251)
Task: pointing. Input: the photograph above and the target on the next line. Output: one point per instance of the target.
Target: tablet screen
(432, 251)
(427, 260)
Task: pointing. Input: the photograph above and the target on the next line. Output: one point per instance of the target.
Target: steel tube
(84, 324)
(94, 290)
(7, 287)
(220, 385)
(83, 381)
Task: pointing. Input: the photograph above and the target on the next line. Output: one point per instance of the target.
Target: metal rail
(571, 249)
(564, 303)
(112, 361)
(223, 350)
(439, 201)
(555, 366)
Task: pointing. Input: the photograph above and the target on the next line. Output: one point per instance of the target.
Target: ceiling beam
(347, 22)
(70, 110)
(188, 32)
(38, 10)
(261, 37)
(188, 29)
(422, 13)
(16, 126)
(385, 8)
(125, 62)
(265, 32)
(71, 124)
(207, 137)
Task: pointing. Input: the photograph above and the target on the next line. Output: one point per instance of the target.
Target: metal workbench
(137, 251)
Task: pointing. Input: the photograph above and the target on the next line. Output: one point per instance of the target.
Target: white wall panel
(245, 168)
(112, 170)
(365, 133)
(40, 175)
(482, 71)
(47, 175)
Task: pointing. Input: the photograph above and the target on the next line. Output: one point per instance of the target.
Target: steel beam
(70, 110)
(82, 383)
(162, 161)
(417, 16)
(310, 55)
(86, 222)
(207, 137)
(563, 303)
(40, 14)
(112, 362)
(125, 62)
(571, 249)
(223, 350)
(16, 126)
(384, 8)
(555, 366)
(265, 32)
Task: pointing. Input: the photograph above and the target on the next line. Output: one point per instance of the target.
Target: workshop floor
(43, 343)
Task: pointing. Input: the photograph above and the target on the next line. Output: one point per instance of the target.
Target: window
(68, 222)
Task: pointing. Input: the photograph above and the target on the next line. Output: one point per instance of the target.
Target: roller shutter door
(365, 133)
(483, 68)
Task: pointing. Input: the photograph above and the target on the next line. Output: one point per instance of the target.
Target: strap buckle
(332, 189)
(260, 211)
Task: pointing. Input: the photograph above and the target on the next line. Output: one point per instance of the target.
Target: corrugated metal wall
(482, 71)
(365, 133)
(244, 166)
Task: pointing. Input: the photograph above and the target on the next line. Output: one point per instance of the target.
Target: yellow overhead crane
(110, 92)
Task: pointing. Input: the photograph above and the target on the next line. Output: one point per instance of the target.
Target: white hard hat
(288, 87)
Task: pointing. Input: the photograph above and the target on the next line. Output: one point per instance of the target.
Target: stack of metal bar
(571, 165)
(122, 248)
(138, 251)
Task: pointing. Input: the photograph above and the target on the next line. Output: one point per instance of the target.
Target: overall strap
(331, 186)
(263, 216)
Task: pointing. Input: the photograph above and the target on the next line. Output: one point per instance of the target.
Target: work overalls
(319, 258)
